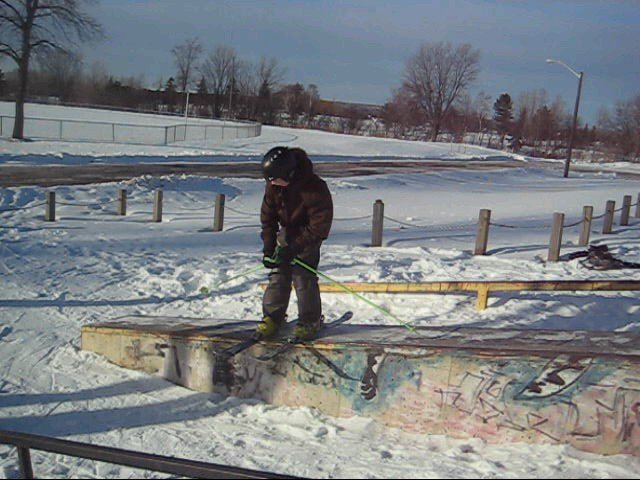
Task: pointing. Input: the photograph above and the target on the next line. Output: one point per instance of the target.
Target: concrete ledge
(580, 388)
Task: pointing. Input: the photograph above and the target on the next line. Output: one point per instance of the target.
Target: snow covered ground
(93, 266)
(324, 146)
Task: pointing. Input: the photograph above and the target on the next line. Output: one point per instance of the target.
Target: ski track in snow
(92, 266)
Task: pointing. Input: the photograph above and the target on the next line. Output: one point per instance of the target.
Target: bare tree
(626, 125)
(218, 70)
(436, 75)
(60, 72)
(31, 26)
(313, 93)
(482, 105)
(186, 56)
(270, 74)
(528, 107)
(247, 86)
(294, 101)
(400, 114)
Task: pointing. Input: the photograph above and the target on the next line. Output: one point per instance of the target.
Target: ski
(293, 341)
(226, 354)
(238, 347)
(222, 370)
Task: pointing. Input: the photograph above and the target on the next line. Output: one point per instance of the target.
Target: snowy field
(93, 266)
(324, 146)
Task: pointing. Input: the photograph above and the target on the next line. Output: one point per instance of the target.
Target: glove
(269, 262)
(281, 256)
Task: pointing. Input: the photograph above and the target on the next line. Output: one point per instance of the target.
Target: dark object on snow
(598, 257)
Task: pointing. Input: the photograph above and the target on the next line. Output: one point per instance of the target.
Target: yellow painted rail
(484, 287)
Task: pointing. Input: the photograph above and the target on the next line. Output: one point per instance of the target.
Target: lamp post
(575, 112)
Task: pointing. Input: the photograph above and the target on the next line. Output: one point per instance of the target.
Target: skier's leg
(276, 296)
(308, 293)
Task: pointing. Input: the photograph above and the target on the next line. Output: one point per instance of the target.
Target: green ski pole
(355, 294)
(207, 290)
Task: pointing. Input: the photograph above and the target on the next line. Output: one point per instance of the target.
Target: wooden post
(50, 213)
(122, 202)
(482, 237)
(556, 237)
(483, 298)
(585, 233)
(626, 210)
(157, 206)
(377, 223)
(607, 225)
(218, 218)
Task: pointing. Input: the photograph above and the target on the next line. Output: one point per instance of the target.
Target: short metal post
(218, 216)
(638, 207)
(157, 206)
(113, 132)
(626, 210)
(60, 129)
(482, 237)
(122, 203)
(607, 225)
(377, 224)
(166, 135)
(556, 237)
(50, 213)
(585, 233)
(24, 458)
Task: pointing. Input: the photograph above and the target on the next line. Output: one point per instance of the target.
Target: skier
(296, 216)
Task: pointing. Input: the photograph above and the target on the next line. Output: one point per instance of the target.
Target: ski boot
(269, 326)
(306, 331)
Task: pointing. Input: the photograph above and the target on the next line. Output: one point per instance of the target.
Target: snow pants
(276, 296)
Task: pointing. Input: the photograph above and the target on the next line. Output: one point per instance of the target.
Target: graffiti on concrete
(591, 402)
(579, 400)
(556, 377)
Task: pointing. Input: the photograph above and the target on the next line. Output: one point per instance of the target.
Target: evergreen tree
(265, 106)
(202, 97)
(202, 87)
(503, 115)
(170, 94)
(3, 84)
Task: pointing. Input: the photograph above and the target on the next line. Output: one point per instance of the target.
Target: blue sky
(356, 50)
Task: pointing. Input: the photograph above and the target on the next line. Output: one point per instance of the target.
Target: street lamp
(575, 112)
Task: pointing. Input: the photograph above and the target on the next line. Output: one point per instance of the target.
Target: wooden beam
(492, 286)
(484, 287)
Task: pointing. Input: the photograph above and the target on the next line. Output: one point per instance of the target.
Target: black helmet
(279, 162)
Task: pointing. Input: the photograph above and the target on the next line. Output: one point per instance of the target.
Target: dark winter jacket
(304, 208)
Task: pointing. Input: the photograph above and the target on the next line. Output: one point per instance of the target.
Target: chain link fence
(129, 133)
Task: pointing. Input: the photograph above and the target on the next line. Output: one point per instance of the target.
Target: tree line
(432, 101)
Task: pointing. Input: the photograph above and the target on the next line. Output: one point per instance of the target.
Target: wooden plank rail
(484, 287)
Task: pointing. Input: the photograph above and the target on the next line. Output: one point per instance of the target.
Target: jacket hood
(304, 167)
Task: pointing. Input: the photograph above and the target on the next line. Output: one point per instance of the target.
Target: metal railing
(128, 133)
(24, 442)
